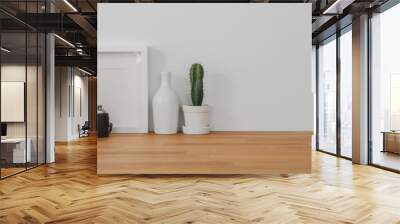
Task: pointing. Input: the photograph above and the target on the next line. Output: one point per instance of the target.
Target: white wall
(80, 83)
(83, 83)
(256, 57)
(62, 80)
(67, 81)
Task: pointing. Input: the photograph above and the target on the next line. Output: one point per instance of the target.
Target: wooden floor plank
(69, 191)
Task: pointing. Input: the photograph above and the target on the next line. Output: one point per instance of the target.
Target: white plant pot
(165, 107)
(196, 119)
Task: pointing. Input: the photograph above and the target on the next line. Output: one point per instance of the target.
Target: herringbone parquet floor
(69, 191)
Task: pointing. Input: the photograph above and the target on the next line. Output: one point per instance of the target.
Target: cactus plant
(196, 84)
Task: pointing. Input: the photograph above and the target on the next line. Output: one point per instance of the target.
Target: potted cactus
(196, 115)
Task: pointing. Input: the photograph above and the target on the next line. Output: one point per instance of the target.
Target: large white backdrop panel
(257, 57)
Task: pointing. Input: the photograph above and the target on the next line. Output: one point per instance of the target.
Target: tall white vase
(165, 107)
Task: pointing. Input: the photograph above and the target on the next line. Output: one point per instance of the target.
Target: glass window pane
(32, 94)
(13, 86)
(327, 96)
(22, 89)
(385, 82)
(31, 88)
(346, 94)
(41, 98)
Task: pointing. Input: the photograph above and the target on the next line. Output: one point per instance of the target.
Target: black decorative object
(104, 126)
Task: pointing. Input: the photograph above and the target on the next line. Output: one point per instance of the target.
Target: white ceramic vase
(165, 107)
(196, 120)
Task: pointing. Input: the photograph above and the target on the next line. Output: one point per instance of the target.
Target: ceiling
(76, 21)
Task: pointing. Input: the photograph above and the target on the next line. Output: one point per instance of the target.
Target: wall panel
(256, 57)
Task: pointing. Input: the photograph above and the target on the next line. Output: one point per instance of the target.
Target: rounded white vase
(165, 107)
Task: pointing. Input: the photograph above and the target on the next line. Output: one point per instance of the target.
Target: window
(385, 89)
(327, 96)
(335, 94)
(346, 93)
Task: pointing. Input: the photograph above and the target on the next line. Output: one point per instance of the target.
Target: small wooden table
(391, 141)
